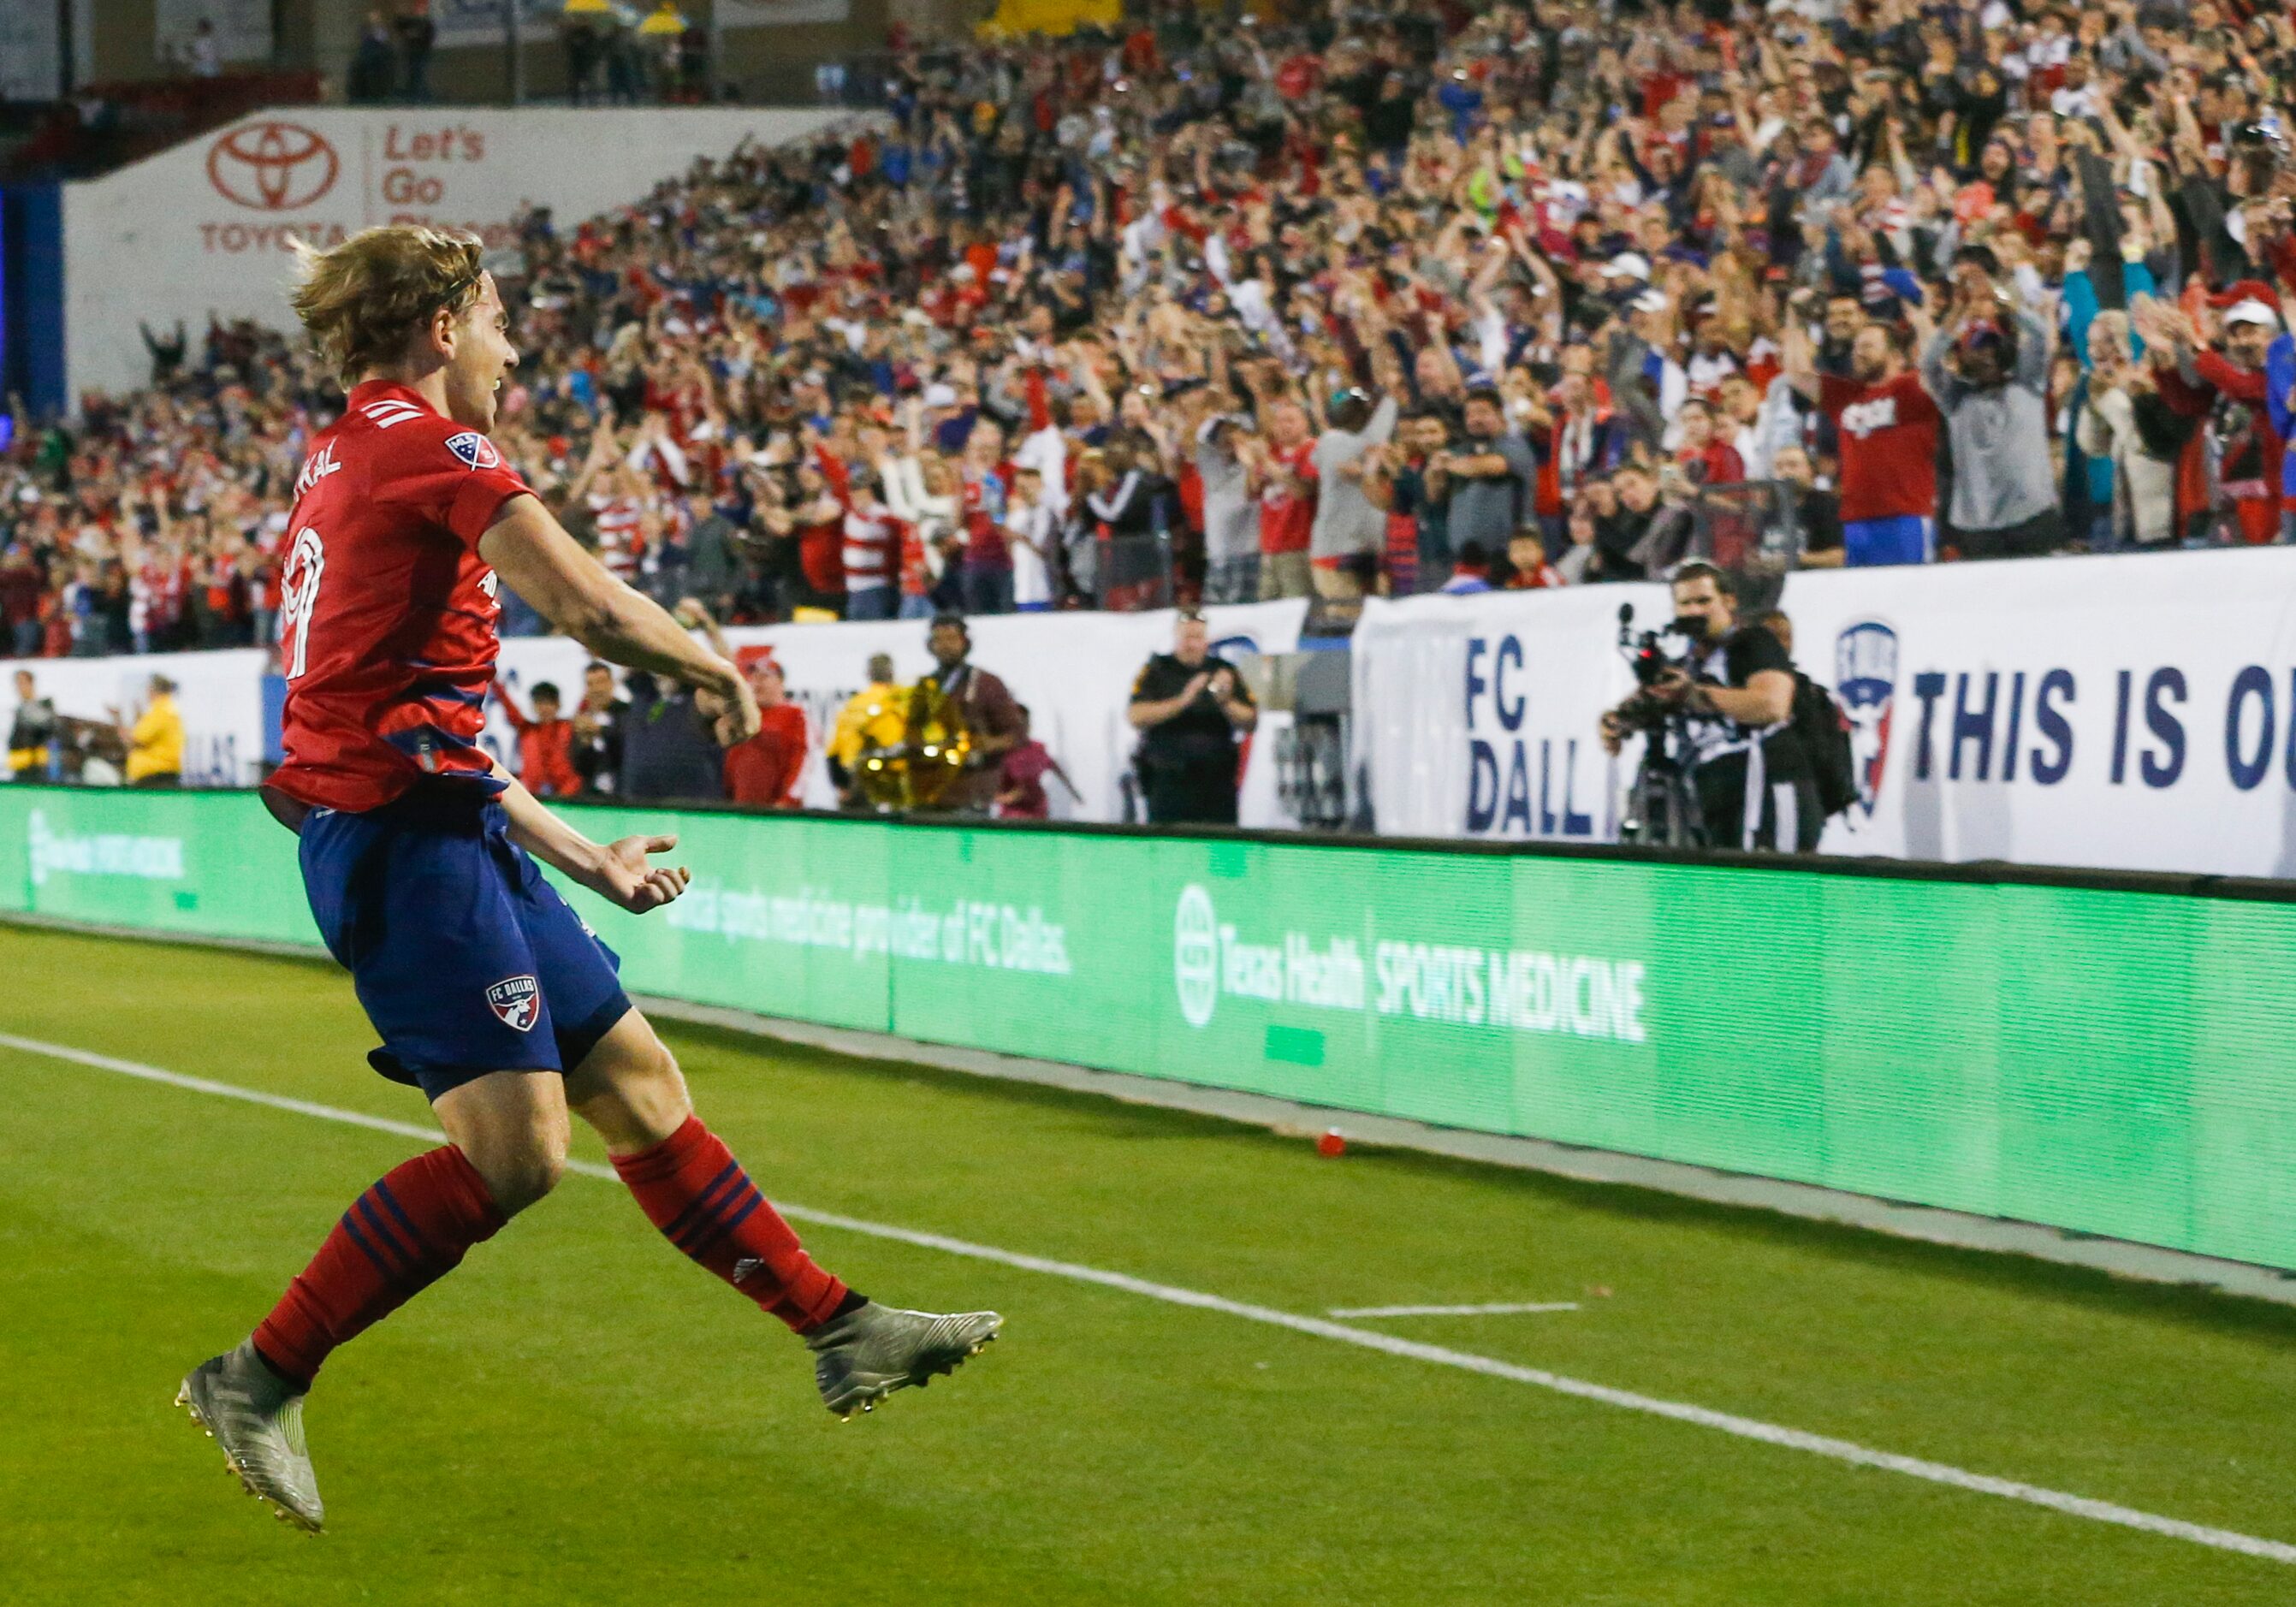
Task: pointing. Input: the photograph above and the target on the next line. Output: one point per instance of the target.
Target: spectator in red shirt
(1528, 570)
(545, 759)
(1283, 472)
(1705, 459)
(1889, 425)
(767, 770)
(2237, 450)
(1020, 792)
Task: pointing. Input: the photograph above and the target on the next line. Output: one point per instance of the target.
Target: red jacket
(766, 770)
(2255, 496)
(545, 762)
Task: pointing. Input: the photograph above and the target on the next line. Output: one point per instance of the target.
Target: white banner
(219, 694)
(2133, 712)
(1474, 716)
(1073, 671)
(221, 211)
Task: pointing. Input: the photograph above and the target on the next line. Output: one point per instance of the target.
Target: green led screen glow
(2109, 1061)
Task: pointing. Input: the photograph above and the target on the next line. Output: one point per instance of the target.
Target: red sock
(691, 1187)
(401, 1236)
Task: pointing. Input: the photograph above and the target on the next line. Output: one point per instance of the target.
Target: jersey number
(299, 595)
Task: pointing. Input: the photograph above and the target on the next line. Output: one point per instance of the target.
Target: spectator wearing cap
(1989, 374)
(1348, 524)
(1648, 385)
(2238, 495)
(766, 771)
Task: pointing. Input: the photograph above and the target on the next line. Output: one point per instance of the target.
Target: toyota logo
(271, 166)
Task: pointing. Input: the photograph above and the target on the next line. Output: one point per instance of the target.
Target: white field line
(1744, 1427)
(1505, 1309)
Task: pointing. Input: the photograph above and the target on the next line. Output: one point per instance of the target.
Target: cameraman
(1735, 693)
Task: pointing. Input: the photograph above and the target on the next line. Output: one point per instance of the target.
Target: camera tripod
(1662, 808)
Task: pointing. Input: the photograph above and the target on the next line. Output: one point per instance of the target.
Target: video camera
(1651, 654)
(1661, 806)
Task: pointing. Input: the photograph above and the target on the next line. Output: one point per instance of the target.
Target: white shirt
(1028, 533)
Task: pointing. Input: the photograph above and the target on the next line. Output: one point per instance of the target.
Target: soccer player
(418, 849)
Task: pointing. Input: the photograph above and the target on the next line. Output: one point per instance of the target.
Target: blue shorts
(1907, 538)
(467, 961)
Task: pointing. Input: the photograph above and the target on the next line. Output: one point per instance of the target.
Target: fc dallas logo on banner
(517, 1000)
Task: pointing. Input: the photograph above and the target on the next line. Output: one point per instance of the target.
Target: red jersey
(1889, 446)
(387, 611)
(1287, 508)
(821, 554)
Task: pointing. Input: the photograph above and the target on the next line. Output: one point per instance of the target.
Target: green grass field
(580, 1415)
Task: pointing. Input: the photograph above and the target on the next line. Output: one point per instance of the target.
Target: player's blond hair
(363, 300)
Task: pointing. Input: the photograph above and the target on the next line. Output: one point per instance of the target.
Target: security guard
(1190, 710)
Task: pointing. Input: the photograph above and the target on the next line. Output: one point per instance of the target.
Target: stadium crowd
(1372, 297)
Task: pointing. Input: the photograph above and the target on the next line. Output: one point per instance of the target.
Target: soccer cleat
(863, 1356)
(257, 1417)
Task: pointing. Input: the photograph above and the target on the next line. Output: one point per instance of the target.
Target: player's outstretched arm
(537, 558)
(615, 871)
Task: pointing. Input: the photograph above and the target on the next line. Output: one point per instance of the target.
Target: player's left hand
(734, 712)
(623, 875)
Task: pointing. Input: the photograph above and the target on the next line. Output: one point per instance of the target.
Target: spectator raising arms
(545, 742)
(1308, 302)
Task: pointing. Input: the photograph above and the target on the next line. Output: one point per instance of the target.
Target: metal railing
(1752, 530)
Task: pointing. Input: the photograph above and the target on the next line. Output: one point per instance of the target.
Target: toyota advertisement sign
(208, 228)
(273, 167)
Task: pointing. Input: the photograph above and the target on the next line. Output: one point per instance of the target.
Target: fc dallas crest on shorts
(517, 1000)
